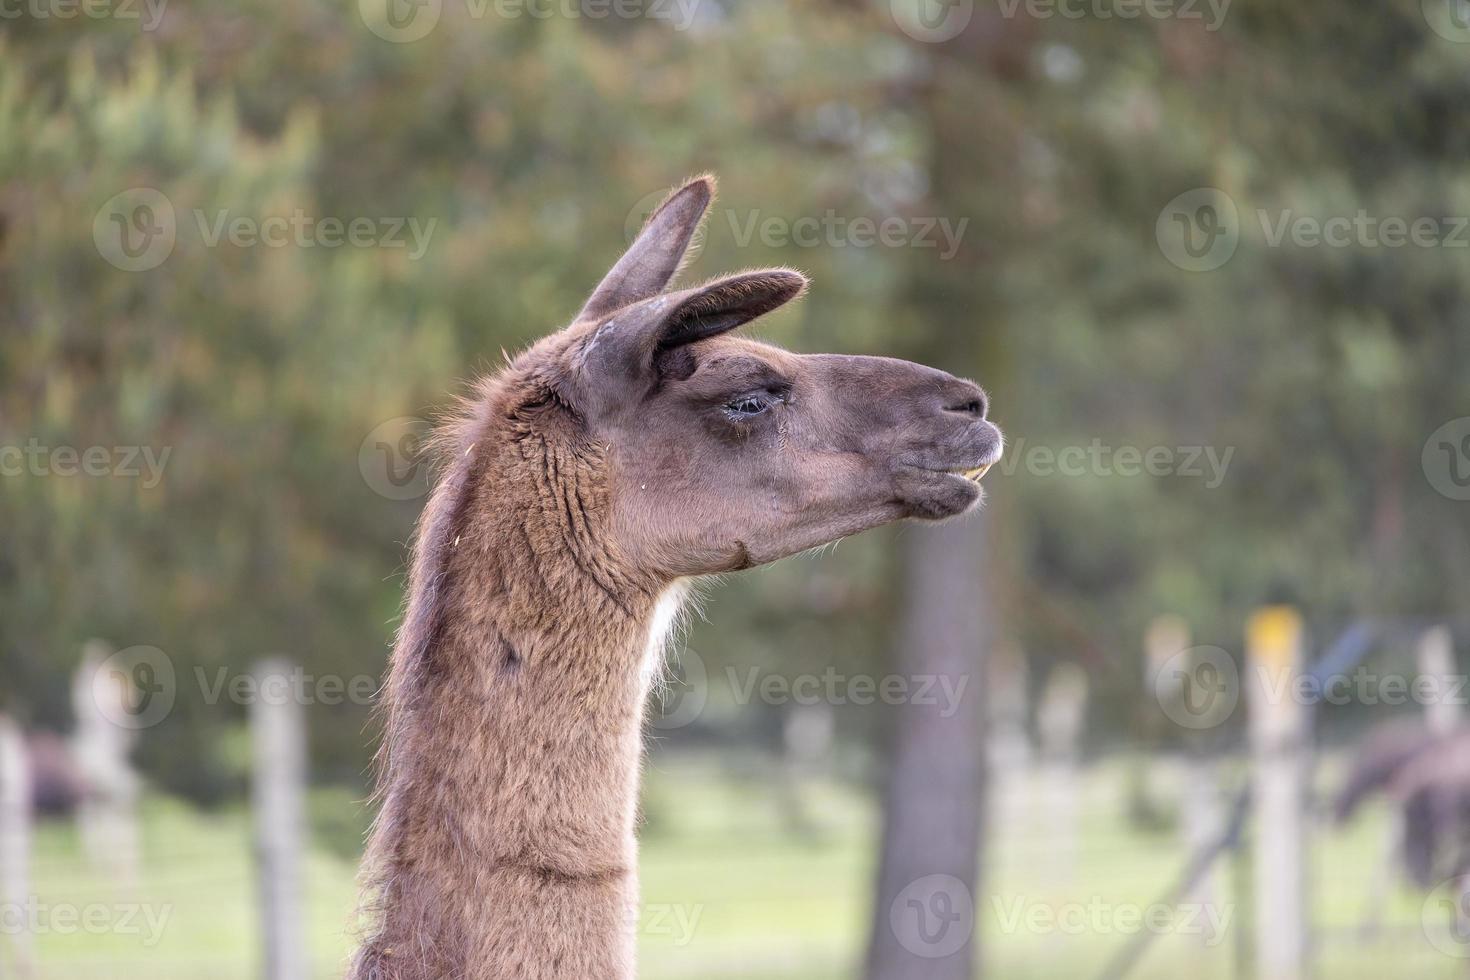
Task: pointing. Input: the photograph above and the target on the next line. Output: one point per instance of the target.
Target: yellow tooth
(976, 473)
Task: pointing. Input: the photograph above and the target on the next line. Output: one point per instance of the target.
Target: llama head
(721, 452)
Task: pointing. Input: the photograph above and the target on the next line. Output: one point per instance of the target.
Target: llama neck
(506, 843)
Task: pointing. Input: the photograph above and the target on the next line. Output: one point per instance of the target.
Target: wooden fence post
(1166, 637)
(15, 845)
(806, 745)
(1436, 656)
(1278, 743)
(1007, 697)
(1168, 650)
(1165, 640)
(107, 818)
(1061, 716)
(1203, 817)
(278, 735)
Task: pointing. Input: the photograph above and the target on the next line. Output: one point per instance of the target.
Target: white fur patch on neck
(662, 631)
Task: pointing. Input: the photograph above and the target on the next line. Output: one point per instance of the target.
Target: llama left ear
(651, 261)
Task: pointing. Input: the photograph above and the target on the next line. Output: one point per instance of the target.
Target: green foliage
(262, 370)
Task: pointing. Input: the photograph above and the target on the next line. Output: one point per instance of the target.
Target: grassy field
(730, 892)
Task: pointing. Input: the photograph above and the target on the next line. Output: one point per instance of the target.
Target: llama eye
(747, 405)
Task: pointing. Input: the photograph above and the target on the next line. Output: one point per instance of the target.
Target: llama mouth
(974, 475)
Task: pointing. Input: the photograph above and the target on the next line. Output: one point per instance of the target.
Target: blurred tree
(1321, 370)
(934, 797)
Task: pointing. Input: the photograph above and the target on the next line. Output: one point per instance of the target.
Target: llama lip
(971, 473)
(974, 473)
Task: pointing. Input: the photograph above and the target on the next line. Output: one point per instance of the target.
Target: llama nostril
(974, 407)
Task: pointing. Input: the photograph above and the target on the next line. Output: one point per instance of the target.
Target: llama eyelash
(750, 406)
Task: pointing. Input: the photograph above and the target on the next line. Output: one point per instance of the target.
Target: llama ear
(624, 350)
(651, 261)
(727, 303)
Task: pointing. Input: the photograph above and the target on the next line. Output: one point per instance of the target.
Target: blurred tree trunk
(924, 918)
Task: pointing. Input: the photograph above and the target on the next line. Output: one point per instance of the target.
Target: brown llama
(580, 486)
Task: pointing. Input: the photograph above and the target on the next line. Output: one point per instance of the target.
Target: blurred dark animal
(58, 785)
(580, 486)
(1427, 777)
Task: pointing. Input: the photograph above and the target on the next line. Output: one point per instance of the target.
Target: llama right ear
(653, 258)
(621, 355)
(724, 304)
